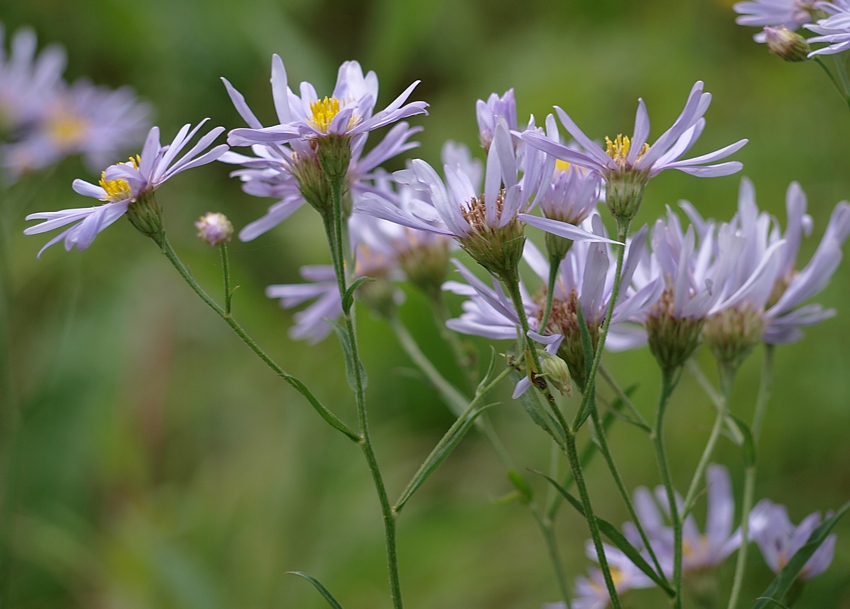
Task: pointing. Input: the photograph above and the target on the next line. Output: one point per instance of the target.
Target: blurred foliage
(157, 464)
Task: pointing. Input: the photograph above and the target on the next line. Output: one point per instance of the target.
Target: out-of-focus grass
(157, 464)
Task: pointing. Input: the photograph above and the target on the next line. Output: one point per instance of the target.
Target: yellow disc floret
(323, 112)
(620, 147)
(118, 190)
(562, 165)
(66, 129)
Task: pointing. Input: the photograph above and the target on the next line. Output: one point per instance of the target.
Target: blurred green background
(156, 463)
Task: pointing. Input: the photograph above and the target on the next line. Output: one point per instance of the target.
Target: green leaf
(441, 451)
(616, 537)
(489, 376)
(748, 446)
(521, 485)
(772, 600)
(344, 341)
(783, 582)
(587, 347)
(326, 414)
(348, 297)
(538, 415)
(322, 590)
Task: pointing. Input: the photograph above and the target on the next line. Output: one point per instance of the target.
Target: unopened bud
(556, 372)
(214, 228)
(789, 45)
(732, 334)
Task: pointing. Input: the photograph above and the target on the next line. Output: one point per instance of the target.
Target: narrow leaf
(322, 590)
(489, 376)
(587, 347)
(441, 451)
(780, 586)
(772, 600)
(348, 297)
(748, 445)
(521, 485)
(348, 352)
(616, 537)
(326, 414)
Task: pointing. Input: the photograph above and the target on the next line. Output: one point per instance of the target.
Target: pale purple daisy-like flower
(592, 592)
(310, 324)
(635, 154)
(700, 550)
(790, 14)
(834, 30)
(124, 183)
(778, 538)
(347, 113)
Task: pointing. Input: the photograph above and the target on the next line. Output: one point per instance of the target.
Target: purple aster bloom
(635, 154)
(310, 324)
(774, 13)
(124, 183)
(347, 113)
(699, 550)
(592, 592)
(96, 122)
(488, 114)
(833, 30)
(778, 539)
(282, 170)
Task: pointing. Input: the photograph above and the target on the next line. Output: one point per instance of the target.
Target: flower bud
(789, 45)
(214, 228)
(556, 372)
(733, 333)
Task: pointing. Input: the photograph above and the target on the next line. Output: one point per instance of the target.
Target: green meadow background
(150, 461)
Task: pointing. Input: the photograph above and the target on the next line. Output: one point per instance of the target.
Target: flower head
(488, 114)
(788, 45)
(127, 187)
(790, 14)
(778, 538)
(627, 163)
(833, 30)
(214, 228)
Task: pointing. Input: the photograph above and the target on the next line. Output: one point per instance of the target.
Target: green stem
(727, 377)
(669, 378)
(338, 246)
(590, 381)
(225, 270)
(625, 399)
(575, 465)
(841, 91)
(750, 472)
(462, 358)
(841, 70)
(599, 429)
(545, 526)
(554, 265)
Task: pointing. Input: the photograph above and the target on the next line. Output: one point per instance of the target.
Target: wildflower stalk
(335, 170)
(546, 529)
(750, 472)
(554, 266)
(590, 383)
(727, 377)
(225, 271)
(462, 359)
(669, 379)
(842, 91)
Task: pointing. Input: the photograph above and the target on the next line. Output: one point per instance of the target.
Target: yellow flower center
(617, 577)
(619, 149)
(117, 190)
(562, 166)
(324, 111)
(66, 129)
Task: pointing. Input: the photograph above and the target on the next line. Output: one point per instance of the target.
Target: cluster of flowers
(44, 119)
(769, 526)
(829, 19)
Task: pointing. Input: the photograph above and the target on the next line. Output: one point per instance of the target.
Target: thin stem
(545, 526)
(668, 383)
(841, 91)
(841, 69)
(599, 428)
(625, 399)
(575, 465)
(338, 245)
(750, 472)
(462, 358)
(225, 271)
(554, 265)
(727, 377)
(590, 386)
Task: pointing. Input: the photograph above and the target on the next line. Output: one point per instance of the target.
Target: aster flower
(833, 30)
(700, 551)
(790, 14)
(778, 538)
(485, 225)
(488, 114)
(310, 324)
(291, 171)
(347, 113)
(627, 164)
(592, 592)
(214, 228)
(125, 187)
